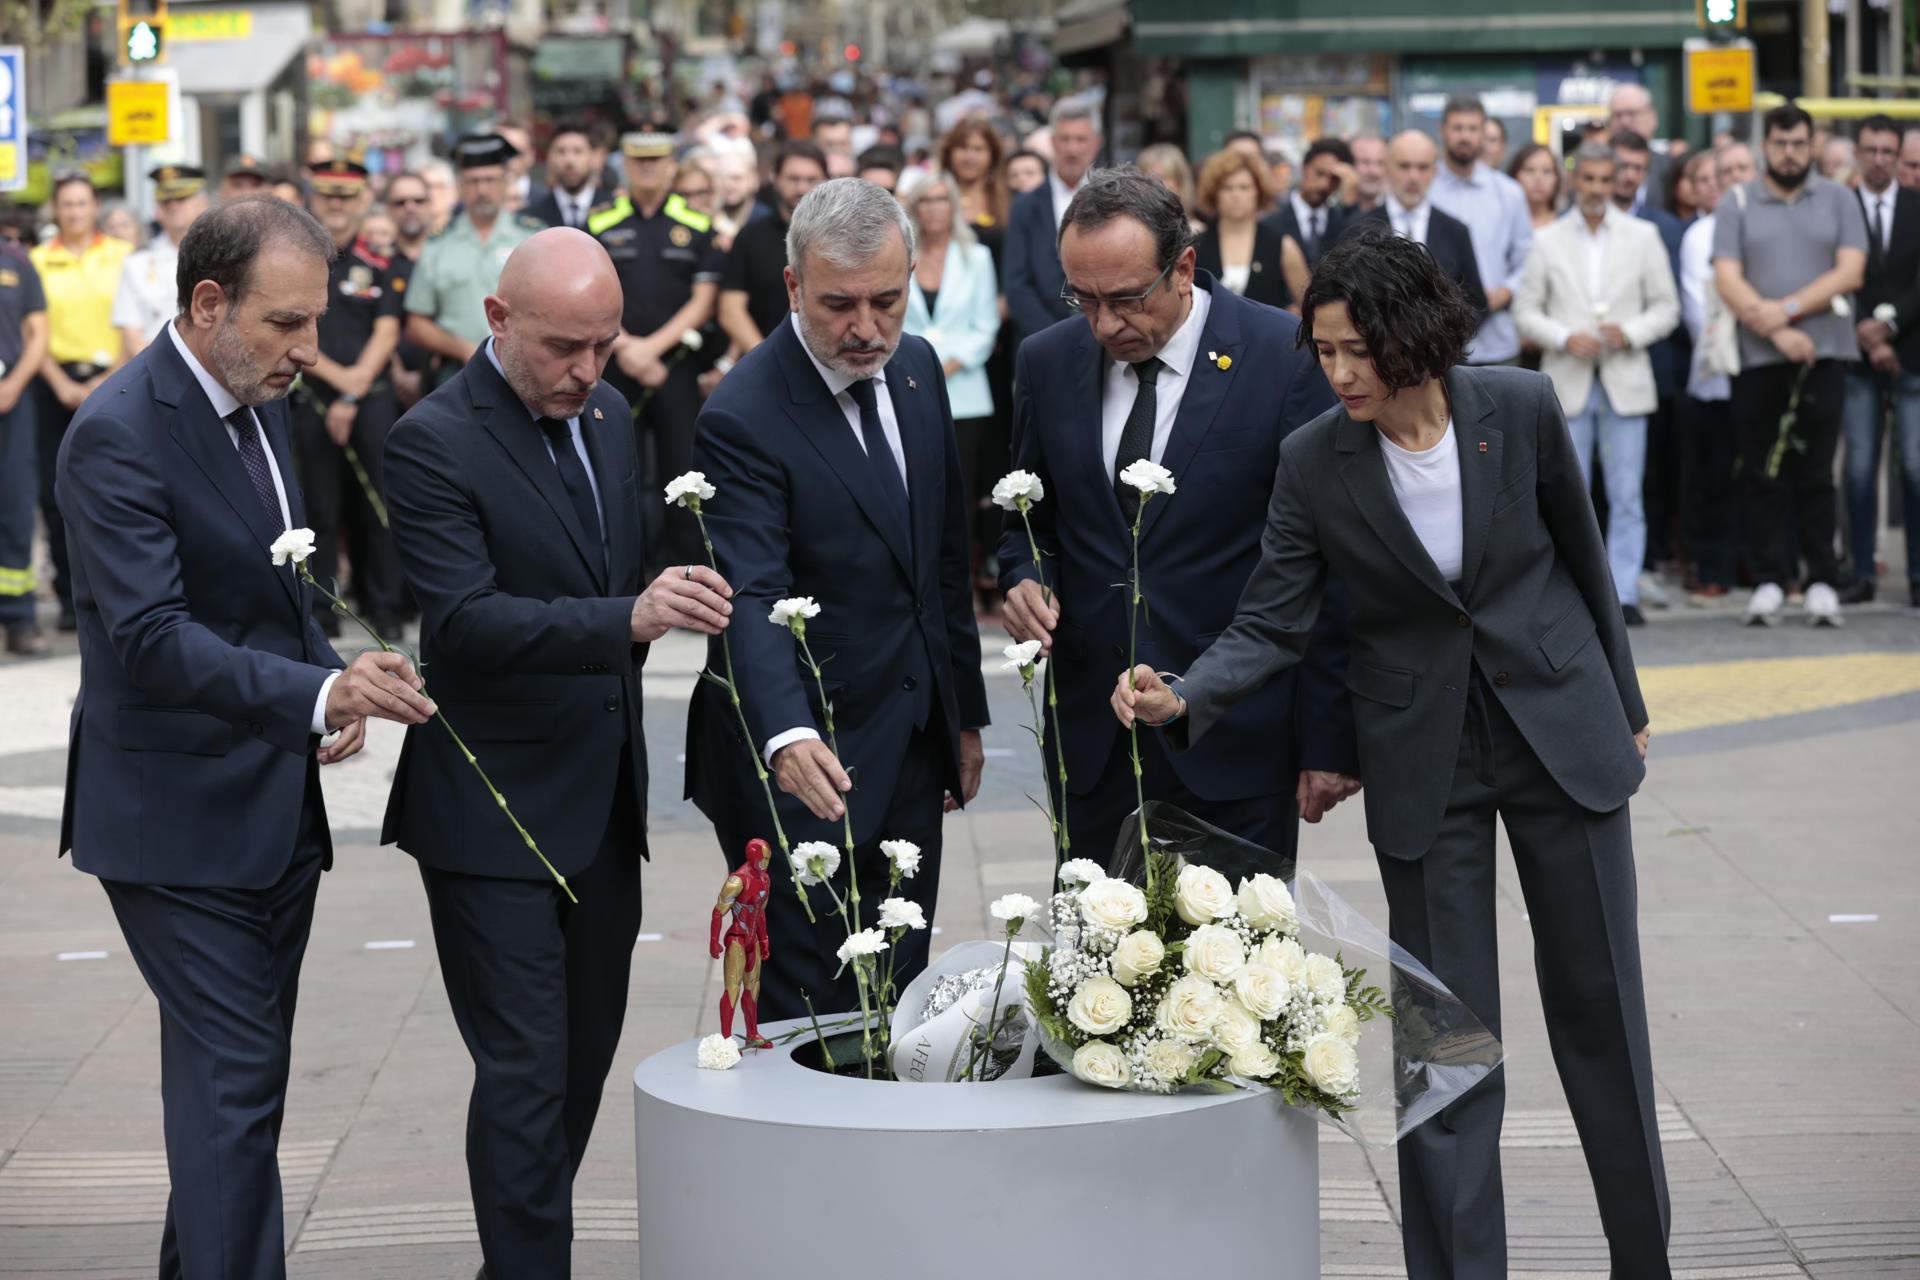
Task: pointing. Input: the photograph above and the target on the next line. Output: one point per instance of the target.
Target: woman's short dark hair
(223, 243)
(1128, 193)
(1410, 313)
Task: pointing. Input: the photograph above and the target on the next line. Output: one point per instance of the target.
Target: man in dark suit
(831, 450)
(1630, 108)
(1886, 314)
(574, 193)
(1167, 365)
(206, 689)
(1030, 265)
(1311, 213)
(516, 509)
(1412, 159)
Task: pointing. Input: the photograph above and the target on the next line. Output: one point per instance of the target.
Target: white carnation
(793, 612)
(1841, 307)
(1202, 894)
(1170, 1060)
(692, 485)
(1325, 979)
(1016, 487)
(1138, 956)
(1265, 902)
(692, 341)
(904, 855)
(1013, 908)
(1255, 1062)
(716, 1053)
(1113, 904)
(1098, 1062)
(1081, 871)
(1215, 952)
(1100, 1007)
(1264, 990)
(867, 942)
(1236, 1029)
(1147, 477)
(1189, 1008)
(900, 913)
(1022, 656)
(295, 545)
(814, 861)
(1333, 1066)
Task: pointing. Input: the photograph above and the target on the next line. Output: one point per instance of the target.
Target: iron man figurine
(745, 942)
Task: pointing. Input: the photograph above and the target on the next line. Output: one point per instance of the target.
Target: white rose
(1098, 1062)
(1081, 871)
(899, 913)
(1021, 657)
(814, 861)
(1255, 1062)
(692, 485)
(1113, 904)
(1340, 1020)
(1017, 488)
(1013, 908)
(1286, 955)
(1332, 1065)
(1326, 980)
(1147, 477)
(295, 545)
(692, 341)
(867, 942)
(1841, 307)
(1263, 989)
(1100, 1007)
(1170, 1060)
(1202, 894)
(793, 612)
(716, 1053)
(1215, 952)
(1886, 313)
(1138, 955)
(1265, 902)
(1236, 1029)
(904, 855)
(1189, 1008)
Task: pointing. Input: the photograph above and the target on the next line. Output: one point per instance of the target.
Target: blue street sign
(13, 118)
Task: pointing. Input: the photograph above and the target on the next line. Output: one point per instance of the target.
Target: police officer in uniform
(410, 205)
(346, 402)
(446, 293)
(23, 345)
(670, 273)
(149, 296)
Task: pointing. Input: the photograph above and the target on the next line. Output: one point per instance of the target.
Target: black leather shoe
(1859, 591)
(1631, 612)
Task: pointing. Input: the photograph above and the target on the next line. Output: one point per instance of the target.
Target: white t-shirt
(1428, 486)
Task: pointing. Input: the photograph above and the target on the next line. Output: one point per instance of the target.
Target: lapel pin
(601, 417)
(1213, 355)
(1483, 446)
(1225, 362)
(911, 384)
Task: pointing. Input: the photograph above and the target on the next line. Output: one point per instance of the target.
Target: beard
(1463, 155)
(562, 402)
(1788, 179)
(834, 355)
(236, 367)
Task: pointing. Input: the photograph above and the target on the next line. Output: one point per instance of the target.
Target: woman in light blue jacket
(954, 303)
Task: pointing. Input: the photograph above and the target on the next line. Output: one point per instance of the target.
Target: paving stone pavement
(1786, 1030)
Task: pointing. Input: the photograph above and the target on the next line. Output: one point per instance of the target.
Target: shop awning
(1093, 24)
(220, 49)
(1233, 29)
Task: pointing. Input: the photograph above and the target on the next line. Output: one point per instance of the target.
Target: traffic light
(1721, 15)
(143, 30)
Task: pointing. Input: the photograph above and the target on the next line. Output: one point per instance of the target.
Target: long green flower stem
(671, 359)
(1133, 730)
(340, 605)
(1056, 803)
(1785, 439)
(852, 908)
(746, 733)
(984, 1053)
(360, 474)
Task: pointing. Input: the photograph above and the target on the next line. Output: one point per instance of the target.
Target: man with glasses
(411, 205)
(1170, 366)
(1784, 248)
(459, 267)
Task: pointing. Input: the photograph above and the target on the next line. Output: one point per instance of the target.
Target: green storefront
(1292, 69)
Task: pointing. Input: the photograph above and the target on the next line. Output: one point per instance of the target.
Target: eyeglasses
(1131, 304)
(405, 200)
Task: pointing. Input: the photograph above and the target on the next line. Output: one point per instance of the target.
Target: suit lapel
(611, 463)
(1086, 427)
(1205, 391)
(1480, 448)
(506, 420)
(1365, 475)
(920, 442)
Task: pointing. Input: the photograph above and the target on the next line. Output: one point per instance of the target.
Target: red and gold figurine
(745, 942)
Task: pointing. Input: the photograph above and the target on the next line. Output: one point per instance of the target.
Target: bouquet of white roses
(1196, 983)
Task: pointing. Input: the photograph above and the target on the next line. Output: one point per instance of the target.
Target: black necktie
(1316, 227)
(574, 476)
(253, 456)
(879, 452)
(1136, 437)
(1879, 228)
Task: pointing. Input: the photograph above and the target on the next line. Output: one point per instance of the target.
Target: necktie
(573, 476)
(879, 453)
(1879, 225)
(1136, 437)
(253, 456)
(1319, 229)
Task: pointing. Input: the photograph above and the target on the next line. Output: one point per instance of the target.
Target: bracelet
(1171, 680)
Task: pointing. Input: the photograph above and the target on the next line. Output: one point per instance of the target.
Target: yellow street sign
(1720, 79)
(137, 113)
(210, 24)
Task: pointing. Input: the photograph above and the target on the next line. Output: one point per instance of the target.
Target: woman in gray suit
(1492, 676)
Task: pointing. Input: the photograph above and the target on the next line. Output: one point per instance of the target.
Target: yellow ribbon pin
(1225, 362)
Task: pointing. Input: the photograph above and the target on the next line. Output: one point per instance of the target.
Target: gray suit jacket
(1536, 608)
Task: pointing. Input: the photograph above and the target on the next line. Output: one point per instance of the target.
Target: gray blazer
(1536, 609)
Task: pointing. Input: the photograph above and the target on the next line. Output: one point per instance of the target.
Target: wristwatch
(1792, 307)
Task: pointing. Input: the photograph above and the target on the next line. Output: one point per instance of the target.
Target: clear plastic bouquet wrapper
(940, 1032)
(1194, 966)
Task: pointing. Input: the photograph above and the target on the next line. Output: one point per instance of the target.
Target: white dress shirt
(1312, 221)
(1121, 385)
(573, 208)
(224, 403)
(1428, 487)
(1062, 196)
(579, 444)
(1411, 223)
(1882, 206)
(837, 384)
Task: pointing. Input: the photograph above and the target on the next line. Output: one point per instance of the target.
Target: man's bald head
(555, 317)
(1411, 157)
(1630, 108)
